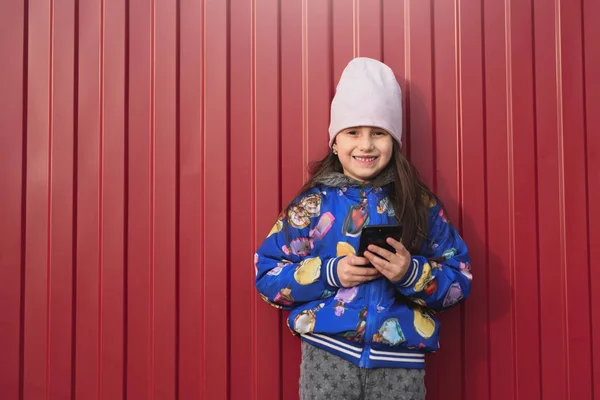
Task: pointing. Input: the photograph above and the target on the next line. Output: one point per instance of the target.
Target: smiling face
(363, 151)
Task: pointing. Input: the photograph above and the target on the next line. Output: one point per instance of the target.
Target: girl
(365, 322)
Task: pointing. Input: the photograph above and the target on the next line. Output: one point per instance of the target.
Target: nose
(366, 142)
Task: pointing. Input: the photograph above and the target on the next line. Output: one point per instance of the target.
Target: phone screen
(377, 235)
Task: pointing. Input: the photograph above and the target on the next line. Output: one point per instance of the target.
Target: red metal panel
(577, 346)
(317, 83)
(165, 197)
(140, 339)
(61, 260)
(89, 203)
(550, 207)
(147, 148)
(343, 35)
(524, 220)
(369, 29)
(37, 201)
(112, 252)
(395, 51)
(241, 213)
(591, 48)
(12, 124)
(191, 183)
(217, 238)
(292, 159)
(267, 181)
(499, 191)
(473, 197)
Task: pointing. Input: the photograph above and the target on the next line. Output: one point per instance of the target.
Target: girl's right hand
(351, 271)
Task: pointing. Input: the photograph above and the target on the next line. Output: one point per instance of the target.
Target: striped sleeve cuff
(411, 275)
(331, 275)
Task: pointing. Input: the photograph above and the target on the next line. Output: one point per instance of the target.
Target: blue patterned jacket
(375, 324)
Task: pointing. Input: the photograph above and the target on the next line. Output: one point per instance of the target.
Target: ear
(334, 148)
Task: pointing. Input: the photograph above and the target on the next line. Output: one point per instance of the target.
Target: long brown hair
(409, 196)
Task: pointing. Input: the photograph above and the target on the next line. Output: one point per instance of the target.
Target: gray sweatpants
(327, 376)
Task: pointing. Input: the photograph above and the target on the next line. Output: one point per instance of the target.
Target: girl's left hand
(393, 265)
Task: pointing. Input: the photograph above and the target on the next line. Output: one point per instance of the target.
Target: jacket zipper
(371, 311)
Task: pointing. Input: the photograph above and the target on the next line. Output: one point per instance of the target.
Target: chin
(366, 176)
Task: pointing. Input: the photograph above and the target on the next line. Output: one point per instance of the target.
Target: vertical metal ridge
(381, 34)
(434, 175)
(485, 193)
(355, 29)
(177, 195)
(126, 150)
(49, 210)
(75, 177)
(407, 70)
(536, 195)
(202, 194)
(23, 233)
(587, 195)
(254, 352)
(460, 166)
(100, 202)
(228, 167)
(561, 183)
(280, 160)
(305, 159)
(511, 183)
(152, 193)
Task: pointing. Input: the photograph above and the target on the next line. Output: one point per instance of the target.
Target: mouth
(364, 160)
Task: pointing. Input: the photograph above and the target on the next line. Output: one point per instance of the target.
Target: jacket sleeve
(440, 278)
(287, 270)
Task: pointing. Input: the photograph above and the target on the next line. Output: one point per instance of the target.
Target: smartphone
(377, 235)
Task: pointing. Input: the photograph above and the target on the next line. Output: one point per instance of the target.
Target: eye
(351, 133)
(379, 133)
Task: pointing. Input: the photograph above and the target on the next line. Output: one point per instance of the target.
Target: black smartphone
(377, 235)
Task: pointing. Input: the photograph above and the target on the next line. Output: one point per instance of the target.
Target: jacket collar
(339, 180)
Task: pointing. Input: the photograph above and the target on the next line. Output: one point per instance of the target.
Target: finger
(398, 246)
(379, 263)
(381, 251)
(357, 260)
(362, 271)
(357, 281)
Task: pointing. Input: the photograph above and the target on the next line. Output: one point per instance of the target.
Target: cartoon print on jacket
(424, 324)
(465, 269)
(344, 296)
(357, 335)
(425, 278)
(344, 249)
(390, 333)
(308, 271)
(356, 218)
(311, 204)
(276, 228)
(386, 207)
(298, 217)
(305, 322)
(284, 297)
(280, 266)
(299, 247)
(324, 225)
(453, 296)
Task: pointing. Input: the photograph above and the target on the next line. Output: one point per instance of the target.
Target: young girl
(365, 322)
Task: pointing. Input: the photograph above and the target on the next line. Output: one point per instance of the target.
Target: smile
(365, 160)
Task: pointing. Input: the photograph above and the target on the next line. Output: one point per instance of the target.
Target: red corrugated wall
(146, 147)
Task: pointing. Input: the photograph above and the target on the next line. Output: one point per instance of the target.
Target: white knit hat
(368, 94)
